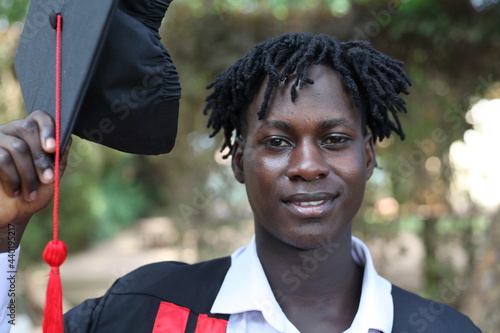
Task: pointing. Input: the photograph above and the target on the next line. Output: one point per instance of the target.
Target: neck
(325, 276)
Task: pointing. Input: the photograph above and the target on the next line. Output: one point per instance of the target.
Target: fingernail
(16, 193)
(32, 196)
(50, 143)
(48, 174)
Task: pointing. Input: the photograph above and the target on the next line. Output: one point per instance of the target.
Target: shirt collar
(245, 288)
(376, 309)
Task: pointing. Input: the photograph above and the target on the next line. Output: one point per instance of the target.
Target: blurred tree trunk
(482, 301)
(432, 274)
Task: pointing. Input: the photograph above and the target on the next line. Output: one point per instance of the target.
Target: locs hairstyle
(373, 80)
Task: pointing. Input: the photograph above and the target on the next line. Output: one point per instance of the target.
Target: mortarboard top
(85, 24)
(119, 86)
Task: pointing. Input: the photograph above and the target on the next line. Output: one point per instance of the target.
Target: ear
(237, 160)
(370, 156)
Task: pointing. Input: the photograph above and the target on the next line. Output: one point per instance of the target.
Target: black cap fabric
(133, 100)
(119, 86)
(84, 24)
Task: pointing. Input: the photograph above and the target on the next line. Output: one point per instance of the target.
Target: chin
(311, 236)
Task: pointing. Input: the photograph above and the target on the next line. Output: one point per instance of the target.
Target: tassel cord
(55, 252)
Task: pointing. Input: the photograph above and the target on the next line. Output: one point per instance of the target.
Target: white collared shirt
(247, 296)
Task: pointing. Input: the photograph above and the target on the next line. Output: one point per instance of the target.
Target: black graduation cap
(119, 86)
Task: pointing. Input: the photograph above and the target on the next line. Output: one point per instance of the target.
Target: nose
(307, 162)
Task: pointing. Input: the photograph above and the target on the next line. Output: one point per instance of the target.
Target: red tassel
(54, 254)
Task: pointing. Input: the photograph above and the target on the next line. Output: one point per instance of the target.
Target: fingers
(46, 129)
(26, 160)
(17, 171)
(8, 174)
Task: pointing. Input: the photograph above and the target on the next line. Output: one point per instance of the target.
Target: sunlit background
(475, 160)
(430, 209)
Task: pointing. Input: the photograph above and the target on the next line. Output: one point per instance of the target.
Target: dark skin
(305, 167)
(26, 172)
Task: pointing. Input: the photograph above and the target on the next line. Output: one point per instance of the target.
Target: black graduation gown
(177, 297)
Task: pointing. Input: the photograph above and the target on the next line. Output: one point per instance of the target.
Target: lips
(310, 205)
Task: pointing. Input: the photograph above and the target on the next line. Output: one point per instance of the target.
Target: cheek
(358, 175)
(262, 168)
(262, 174)
(353, 170)
(253, 177)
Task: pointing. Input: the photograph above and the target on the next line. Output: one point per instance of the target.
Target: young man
(304, 112)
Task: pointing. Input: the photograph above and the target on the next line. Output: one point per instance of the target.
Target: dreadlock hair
(373, 80)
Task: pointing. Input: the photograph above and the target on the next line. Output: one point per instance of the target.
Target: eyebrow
(332, 123)
(325, 124)
(278, 124)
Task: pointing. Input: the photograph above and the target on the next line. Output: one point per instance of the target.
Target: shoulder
(134, 300)
(163, 278)
(413, 313)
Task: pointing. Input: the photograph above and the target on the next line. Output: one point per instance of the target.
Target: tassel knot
(55, 253)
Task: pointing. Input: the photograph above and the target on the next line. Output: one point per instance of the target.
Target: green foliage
(99, 197)
(204, 7)
(13, 10)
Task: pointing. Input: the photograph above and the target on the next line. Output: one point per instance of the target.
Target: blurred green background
(451, 50)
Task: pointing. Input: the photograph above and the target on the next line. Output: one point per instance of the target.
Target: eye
(277, 143)
(335, 140)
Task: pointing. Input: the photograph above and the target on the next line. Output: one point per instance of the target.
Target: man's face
(306, 163)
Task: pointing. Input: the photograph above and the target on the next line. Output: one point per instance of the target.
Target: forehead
(326, 99)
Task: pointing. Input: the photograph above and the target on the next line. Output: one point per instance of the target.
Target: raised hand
(26, 169)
